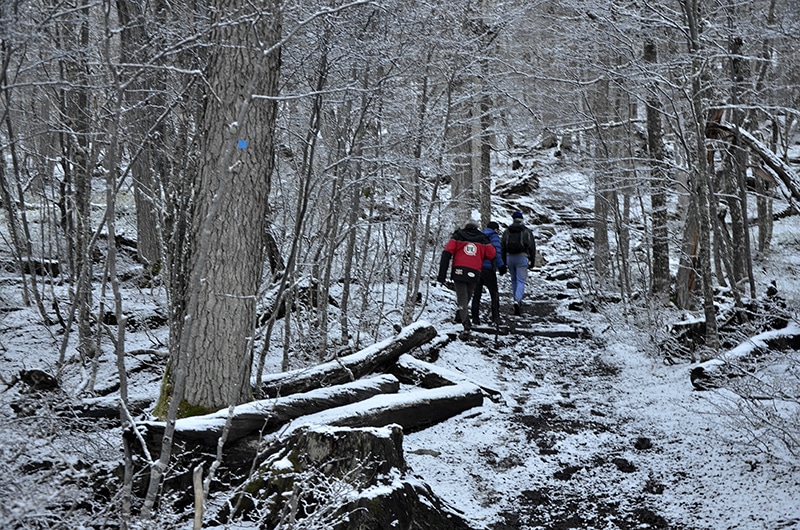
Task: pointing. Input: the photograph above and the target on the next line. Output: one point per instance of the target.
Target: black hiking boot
(517, 309)
(467, 326)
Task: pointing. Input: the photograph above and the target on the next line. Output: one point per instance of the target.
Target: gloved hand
(502, 270)
(530, 264)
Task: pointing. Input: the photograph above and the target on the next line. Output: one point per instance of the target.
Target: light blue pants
(518, 270)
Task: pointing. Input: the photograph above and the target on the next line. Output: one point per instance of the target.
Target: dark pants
(464, 291)
(489, 279)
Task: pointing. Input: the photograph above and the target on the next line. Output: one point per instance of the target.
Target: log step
(526, 329)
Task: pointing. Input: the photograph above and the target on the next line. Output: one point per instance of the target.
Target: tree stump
(340, 478)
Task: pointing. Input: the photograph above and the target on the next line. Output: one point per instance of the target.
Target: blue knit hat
(516, 215)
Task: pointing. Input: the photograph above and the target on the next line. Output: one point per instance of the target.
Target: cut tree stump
(376, 358)
(354, 478)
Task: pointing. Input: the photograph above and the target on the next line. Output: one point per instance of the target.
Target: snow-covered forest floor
(592, 429)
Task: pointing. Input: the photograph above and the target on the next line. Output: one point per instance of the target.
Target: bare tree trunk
(604, 198)
(686, 277)
(357, 173)
(77, 162)
(237, 146)
(110, 166)
(355, 209)
(485, 138)
(658, 185)
(742, 258)
(416, 244)
(134, 32)
(602, 209)
(16, 218)
(700, 179)
(462, 192)
(763, 208)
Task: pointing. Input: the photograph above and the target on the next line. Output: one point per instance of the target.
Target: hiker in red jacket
(468, 247)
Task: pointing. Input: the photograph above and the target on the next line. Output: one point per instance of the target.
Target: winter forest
(219, 214)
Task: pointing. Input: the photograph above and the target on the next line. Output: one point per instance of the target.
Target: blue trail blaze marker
(242, 144)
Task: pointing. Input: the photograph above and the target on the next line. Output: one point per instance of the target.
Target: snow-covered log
(102, 407)
(413, 411)
(412, 371)
(713, 373)
(375, 358)
(269, 414)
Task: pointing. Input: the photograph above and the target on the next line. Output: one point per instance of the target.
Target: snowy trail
(595, 435)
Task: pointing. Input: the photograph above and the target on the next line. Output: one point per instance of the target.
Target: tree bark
(230, 216)
(210, 366)
(133, 33)
(700, 178)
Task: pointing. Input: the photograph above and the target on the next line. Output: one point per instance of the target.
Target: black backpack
(514, 244)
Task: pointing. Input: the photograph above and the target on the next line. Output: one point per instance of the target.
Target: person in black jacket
(518, 252)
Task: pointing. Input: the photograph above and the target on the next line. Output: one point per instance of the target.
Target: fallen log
(267, 415)
(376, 358)
(102, 407)
(715, 372)
(412, 371)
(413, 411)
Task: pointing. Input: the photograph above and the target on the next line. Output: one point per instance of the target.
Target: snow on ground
(593, 432)
(626, 430)
(709, 476)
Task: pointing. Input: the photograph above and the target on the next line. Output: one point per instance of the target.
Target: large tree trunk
(210, 366)
(236, 145)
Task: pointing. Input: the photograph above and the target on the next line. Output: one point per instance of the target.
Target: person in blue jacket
(489, 277)
(519, 254)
